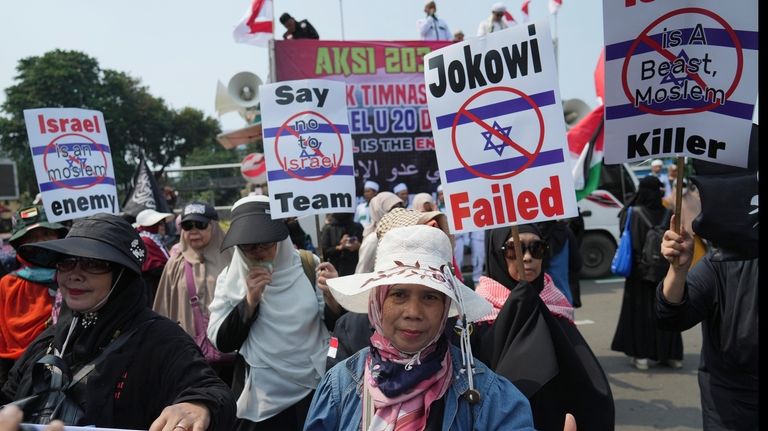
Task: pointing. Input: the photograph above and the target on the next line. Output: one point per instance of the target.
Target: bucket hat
(100, 236)
(29, 218)
(411, 255)
(252, 223)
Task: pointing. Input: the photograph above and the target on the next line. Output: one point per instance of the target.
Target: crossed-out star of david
(677, 80)
(489, 145)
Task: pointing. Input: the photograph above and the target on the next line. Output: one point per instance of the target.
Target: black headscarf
(125, 302)
(546, 358)
(496, 263)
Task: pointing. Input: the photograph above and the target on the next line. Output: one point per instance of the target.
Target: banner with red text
(499, 130)
(73, 162)
(387, 104)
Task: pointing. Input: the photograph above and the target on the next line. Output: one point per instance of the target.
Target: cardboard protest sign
(680, 79)
(73, 162)
(307, 148)
(499, 130)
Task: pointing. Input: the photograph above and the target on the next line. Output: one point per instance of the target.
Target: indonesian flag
(256, 27)
(554, 6)
(508, 16)
(524, 8)
(586, 148)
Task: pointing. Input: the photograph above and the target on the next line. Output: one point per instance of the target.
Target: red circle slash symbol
(464, 111)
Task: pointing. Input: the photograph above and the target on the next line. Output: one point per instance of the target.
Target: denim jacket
(337, 403)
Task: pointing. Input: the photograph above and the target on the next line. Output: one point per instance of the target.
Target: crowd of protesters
(378, 327)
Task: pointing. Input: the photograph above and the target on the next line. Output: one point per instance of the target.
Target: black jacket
(159, 365)
(304, 30)
(722, 295)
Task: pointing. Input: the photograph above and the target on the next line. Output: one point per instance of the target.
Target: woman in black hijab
(531, 339)
(637, 334)
(139, 370)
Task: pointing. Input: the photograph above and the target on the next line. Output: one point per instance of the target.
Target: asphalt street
(660, 398)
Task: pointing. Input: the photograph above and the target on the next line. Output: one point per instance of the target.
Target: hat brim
(196, 217)
(47, 253)
(62, 230)
(352, 291)
(254, 229)
(157, 218)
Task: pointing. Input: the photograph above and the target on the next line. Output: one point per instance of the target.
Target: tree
(136, 121)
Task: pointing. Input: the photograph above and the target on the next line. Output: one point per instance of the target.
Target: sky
(180, 49)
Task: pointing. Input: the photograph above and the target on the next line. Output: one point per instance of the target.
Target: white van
(600, 210)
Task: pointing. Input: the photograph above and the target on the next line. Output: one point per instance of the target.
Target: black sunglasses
(250, 248)
(194, 224)
(536, 248)
(91, 266)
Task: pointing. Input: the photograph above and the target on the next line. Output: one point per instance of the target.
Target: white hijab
(288, 341)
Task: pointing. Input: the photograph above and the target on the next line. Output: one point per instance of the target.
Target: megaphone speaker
(574, 110)
(243, 88)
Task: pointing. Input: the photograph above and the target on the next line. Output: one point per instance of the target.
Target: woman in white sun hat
(412, 377)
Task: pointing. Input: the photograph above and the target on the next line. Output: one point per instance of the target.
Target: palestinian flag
(586, 147)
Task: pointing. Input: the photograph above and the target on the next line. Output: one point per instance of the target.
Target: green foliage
(136, 121)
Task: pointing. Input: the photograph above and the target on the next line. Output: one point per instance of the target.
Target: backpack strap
(308, 263)
(641, 212)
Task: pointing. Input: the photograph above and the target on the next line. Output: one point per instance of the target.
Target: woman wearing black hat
(267, 309)
(122, 365)
(530, 337)
(188, 281)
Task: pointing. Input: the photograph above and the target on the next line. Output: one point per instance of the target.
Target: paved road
(660, 398)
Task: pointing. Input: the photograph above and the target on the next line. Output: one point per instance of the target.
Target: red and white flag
(508, 16)
(256, 27)
(554, 6)
(524, 8)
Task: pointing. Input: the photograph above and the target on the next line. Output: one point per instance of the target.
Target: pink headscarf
(408, 411)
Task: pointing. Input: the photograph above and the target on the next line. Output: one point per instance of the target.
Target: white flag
(554, 6)
(256, 27)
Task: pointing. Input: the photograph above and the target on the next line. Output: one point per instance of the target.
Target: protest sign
(499, 130)
(307, 148)
(680, 79)
(386, 102)
(73, 162)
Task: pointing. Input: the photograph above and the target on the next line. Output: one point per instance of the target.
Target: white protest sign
(499, 130)
(73, 162)
(307, 147)
(680, 79)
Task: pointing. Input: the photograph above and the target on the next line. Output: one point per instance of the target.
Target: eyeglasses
(91, 266)
(536, 248)
(194, 224)
(250, 248)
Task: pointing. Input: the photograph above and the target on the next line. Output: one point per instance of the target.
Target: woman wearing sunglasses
(267, 309)
(530, 337)
(129, 367)
(189, 279)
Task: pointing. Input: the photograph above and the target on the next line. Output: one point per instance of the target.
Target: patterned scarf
(402, 386)
(496, 293)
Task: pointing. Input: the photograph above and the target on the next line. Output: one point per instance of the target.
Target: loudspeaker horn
(224, 103)
(573, 111)
(243, 89)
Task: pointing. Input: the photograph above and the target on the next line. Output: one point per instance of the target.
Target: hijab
(403, 385)
(288, 342)
(172, 298)
(85, 334)
(380, 204)
(420, 199)
(497, 269)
